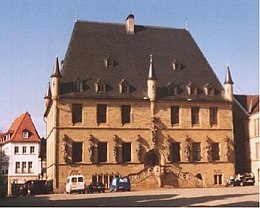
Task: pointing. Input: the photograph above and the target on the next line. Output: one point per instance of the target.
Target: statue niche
(64, 148)
(207, 149)
(187, 149)
(91, 148)
(139, 148)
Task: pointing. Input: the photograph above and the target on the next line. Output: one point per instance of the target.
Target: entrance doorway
(152, 158)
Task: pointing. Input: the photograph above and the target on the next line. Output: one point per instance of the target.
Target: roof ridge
(122, 24)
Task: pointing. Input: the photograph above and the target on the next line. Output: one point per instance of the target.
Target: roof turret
(56, 68)
(48, 92)
(151, 75)
(228, 79)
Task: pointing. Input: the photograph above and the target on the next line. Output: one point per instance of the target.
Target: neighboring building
(246, 123)
(140, 101)
(20, 147)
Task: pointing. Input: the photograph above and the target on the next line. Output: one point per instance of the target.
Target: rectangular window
(196, 152)
(30, 170)
(16, 150)
(175, 114)
(76, 152)
(213, 115)
(76, 113)
(257, 150)
(217, 179)
(25, 134)
(195, 115)
(175, 152)
(125, 113)
(23, 167)
(32, 151)
(215, 151)
(17, 167)
(126, 152)
(24, 150)
(101, 114)
(102, 152)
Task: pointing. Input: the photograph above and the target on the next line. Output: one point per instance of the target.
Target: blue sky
(34, 31)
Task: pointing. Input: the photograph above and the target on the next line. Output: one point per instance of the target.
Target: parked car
(75, 183)
(33, 187)
(120, 183)
(96, 187)
(241, 180)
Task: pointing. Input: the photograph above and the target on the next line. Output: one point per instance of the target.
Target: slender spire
(228, 79)
(56, 68)
(186, 24)
(48, 92)
(152, 75)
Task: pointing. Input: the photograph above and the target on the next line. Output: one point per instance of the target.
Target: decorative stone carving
(116, 147)
(64, 148)
(187, 149)
(91, 147)
(139, 148)
(207, 149)
(154, 130)
(168, 148)
(227, 149)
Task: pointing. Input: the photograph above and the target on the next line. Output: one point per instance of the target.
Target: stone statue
(64, 148)
(207, 149)
(187, 149)
(227, 151)
(116, 147)
(139, 148)
(91, 147)
(168, 148)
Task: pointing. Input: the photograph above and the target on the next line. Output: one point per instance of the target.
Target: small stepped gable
(20, 124)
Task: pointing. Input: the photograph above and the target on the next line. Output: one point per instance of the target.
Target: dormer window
(100, 86)
(25, 134)
(173, 89)
(79, 85)
(124, 87)
(108, 62)
(209, 90)
(176, 65)
(192, 89)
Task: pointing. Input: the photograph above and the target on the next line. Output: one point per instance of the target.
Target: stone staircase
(184, 176)
(158, 175)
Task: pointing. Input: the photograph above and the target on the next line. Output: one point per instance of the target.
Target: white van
(75, 183)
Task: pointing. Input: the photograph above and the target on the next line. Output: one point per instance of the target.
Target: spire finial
(186, 23)
(76, 16)
(151, 58)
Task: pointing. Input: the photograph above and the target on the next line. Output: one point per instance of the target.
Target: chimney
(130, 24)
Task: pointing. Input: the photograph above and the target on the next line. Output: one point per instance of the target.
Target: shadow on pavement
(170, 200)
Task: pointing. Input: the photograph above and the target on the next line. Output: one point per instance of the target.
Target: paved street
(232, 196)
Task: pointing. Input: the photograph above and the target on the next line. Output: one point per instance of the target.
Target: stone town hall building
(140, 101)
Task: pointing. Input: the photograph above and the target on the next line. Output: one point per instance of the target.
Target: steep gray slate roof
(92, 42)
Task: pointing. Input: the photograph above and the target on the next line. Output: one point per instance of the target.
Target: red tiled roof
(21, 124)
